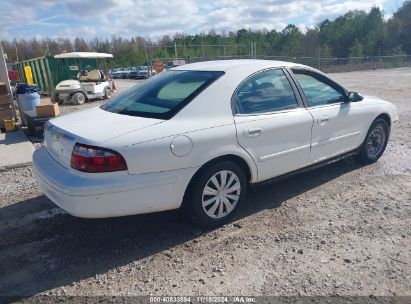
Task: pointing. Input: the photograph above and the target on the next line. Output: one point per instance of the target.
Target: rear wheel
(107, 93)
(216, 194)
(78, 98)
(375, 142)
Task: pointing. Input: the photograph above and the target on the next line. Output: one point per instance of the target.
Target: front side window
(163, 95)
(265, 92)
(316, 91)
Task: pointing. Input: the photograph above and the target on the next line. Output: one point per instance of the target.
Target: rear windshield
(163, 95)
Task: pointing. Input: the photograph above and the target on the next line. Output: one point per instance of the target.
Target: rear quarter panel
(206, 144)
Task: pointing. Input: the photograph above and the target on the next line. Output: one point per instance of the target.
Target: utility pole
(47, 50)
(150, 71)
(255, 50)
(17, 54)
(148, 64)
(175, 49)
(319, 58)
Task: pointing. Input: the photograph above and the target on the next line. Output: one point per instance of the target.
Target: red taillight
(94, 159)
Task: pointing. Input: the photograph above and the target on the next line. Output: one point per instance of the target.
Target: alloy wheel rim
(375, 141)
(221, 194)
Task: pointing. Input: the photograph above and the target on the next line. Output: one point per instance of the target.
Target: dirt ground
(339, 230)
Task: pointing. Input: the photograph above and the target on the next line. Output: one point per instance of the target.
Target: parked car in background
(116, 73)
(143, 73)
(125, 73)
(167, 67)
(134, 73)
(197, 136)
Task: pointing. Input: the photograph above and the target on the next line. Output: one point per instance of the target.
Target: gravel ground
(339, 230)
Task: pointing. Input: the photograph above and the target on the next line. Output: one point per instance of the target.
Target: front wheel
(55, 99)
(375, 142)
(217, 193)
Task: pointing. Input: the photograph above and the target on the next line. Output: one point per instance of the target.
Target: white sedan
(198, 135)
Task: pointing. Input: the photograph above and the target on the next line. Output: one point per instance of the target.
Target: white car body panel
(105, 125)
(162, 156)
(337, 128)
(158, 155)
(108, 194)
(77, 129)
(278, 142)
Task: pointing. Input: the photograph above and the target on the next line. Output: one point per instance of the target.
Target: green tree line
(354, 35)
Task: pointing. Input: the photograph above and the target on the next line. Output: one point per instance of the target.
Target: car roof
(225, 65)
(83, 55)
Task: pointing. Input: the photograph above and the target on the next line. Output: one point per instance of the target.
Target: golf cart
(90, 83)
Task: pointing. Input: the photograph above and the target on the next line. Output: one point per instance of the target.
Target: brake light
(94, 159)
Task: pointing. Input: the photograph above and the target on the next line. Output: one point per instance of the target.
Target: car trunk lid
(93, 127)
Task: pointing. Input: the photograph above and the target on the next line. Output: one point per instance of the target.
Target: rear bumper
(114, 194)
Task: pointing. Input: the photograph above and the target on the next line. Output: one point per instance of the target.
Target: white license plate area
(59, 144)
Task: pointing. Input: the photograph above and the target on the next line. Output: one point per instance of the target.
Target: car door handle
(323, 120)
(253, 132)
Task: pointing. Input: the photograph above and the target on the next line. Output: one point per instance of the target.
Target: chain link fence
(339, 61)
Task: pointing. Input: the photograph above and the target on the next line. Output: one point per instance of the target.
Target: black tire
(374, 146)
(107, 93)
(196, 196)
(79, 98)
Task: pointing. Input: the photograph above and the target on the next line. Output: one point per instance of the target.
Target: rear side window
(265, 92)
(163, 95)
(316, 91)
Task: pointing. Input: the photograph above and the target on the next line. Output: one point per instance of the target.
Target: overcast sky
(127, 18)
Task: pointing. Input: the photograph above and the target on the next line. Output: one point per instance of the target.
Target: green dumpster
(48, 71)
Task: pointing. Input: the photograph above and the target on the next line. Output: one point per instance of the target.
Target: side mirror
(354, 97)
